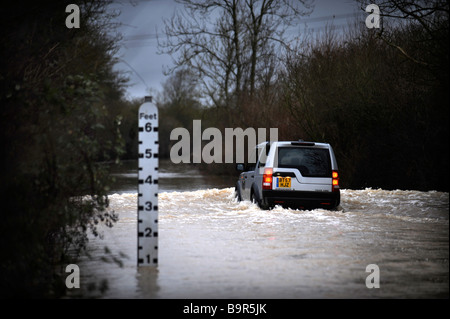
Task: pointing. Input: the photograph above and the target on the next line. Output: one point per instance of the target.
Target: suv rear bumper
(301, 199)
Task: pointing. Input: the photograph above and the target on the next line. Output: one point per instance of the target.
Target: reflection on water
(211, 246)
(172, 177)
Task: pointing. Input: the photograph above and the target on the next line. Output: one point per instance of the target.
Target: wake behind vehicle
(294, 174)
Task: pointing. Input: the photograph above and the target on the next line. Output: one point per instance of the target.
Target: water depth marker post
(148, 184)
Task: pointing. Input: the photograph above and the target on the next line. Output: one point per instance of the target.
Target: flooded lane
(172, 177)
(211, 246)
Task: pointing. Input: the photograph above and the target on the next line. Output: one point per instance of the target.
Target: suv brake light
(335, 181)
(267, 178)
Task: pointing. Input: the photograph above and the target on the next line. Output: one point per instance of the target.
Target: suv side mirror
(240, 167)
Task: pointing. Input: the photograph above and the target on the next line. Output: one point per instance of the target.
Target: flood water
(211, 246)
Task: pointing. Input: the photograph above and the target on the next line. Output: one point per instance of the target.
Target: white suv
(290, 174)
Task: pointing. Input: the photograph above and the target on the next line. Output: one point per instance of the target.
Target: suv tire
(237, 193)
(254, 198)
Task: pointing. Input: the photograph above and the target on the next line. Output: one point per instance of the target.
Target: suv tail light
(267, 178)
(335, 181)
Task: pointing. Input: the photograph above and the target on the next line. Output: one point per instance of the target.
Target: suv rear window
(310, 161)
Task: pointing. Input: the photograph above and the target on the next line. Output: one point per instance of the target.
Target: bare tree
(229, 44)
(430, 19)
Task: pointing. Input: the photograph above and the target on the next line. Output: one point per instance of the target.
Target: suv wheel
(254, 199)
(237, 193)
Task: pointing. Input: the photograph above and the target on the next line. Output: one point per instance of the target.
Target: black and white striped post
(148, 184)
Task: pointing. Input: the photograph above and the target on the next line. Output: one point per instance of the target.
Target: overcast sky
(142, 19)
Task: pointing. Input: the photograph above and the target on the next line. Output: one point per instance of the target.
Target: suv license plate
(284, 182)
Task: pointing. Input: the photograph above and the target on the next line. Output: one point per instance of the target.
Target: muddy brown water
(211, 246)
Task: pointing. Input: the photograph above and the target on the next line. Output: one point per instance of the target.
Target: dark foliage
(58, 128)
